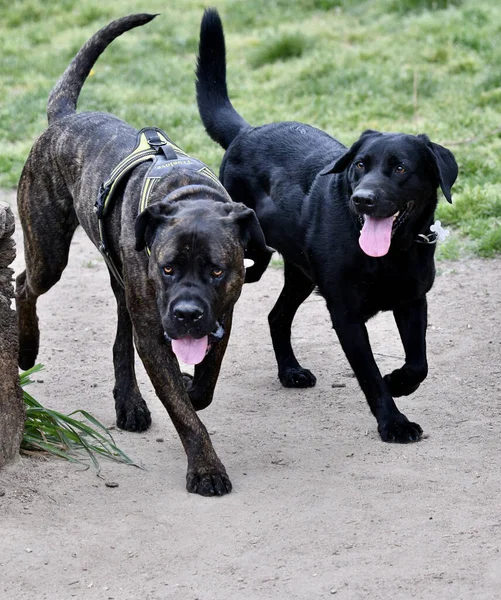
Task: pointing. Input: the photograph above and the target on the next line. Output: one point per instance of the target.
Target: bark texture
(11, 400)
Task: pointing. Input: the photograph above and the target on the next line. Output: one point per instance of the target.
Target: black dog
(353, 222)
(183, 288)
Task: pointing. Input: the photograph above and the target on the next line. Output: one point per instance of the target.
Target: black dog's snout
(364, 200)
(187, 312)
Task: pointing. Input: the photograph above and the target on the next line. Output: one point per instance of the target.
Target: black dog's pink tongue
(189, 350)
(375, 237)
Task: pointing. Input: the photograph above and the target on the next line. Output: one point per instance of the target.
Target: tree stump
(11, 399)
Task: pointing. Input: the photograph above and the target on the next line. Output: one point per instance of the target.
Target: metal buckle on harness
(154, 140)
(159, 145)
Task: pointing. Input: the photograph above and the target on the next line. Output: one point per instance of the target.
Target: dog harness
(152, 144)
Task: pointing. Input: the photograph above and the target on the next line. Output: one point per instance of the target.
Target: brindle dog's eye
(400, 169)
(168, 270)
(359, 164)
(217, 273)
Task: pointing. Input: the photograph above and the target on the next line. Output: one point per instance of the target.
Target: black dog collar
(437, 233)
(430, 238)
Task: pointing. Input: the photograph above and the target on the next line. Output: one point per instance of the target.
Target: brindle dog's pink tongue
(189, 350)
(375, 237)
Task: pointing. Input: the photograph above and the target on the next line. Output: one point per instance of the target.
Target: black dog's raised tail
(64, 97)
(221, 120)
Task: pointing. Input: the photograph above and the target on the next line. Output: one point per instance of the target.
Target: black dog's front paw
(297, 377)
(200, 398)
(132, 414)
(400, 430)
(405, 381)
(211, 483)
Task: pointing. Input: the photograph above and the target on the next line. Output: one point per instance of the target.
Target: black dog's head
(197, 266)
(393, 180)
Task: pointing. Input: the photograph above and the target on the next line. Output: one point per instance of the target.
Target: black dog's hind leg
(132, 412)
(411, 321)
(393, 426)
(297, 287)
(201, 387)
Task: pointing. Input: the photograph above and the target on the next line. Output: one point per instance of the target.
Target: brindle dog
(182, 292)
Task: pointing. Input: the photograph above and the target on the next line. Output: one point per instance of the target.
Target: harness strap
(162, 166)
(150, 141)
(152, 144)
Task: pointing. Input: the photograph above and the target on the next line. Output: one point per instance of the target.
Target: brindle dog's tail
(221, 120)
(63, 98)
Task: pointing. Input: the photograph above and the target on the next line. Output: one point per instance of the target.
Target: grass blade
(63, 435)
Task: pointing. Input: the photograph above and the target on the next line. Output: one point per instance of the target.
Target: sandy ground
(321, 507)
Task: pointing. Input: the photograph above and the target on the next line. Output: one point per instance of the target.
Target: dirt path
(321, 507)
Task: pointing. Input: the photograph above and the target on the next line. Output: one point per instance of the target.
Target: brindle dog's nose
(187, 313)
(364, 200)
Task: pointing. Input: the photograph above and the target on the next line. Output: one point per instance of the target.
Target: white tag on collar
(248, 262)
(441, 233)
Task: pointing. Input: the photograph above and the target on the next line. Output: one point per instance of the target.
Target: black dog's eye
(217, 273)
(168, 270)
(400, 169)
(359, 164)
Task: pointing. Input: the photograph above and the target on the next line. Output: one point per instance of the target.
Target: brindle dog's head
(393, 180)
(196, 265)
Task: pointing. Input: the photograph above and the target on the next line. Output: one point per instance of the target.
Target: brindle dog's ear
(253, 241)
(444, 165)
(344, 161)
(148, 221)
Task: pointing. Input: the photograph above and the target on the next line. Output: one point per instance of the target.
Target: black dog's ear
(344, 161)
(444, 165)
(341, 163)
(253, 241)
(148, 221)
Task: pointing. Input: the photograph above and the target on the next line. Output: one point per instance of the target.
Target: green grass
(415, 66)
(477, 214)
(404, 6)
(80, 441)
(279, 48)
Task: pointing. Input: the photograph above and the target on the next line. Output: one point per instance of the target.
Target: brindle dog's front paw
(133, 415)
(400, 430)
(405, 381)
(208, 483)
(297, 377)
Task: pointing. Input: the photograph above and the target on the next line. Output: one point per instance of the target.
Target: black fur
(311, 195)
